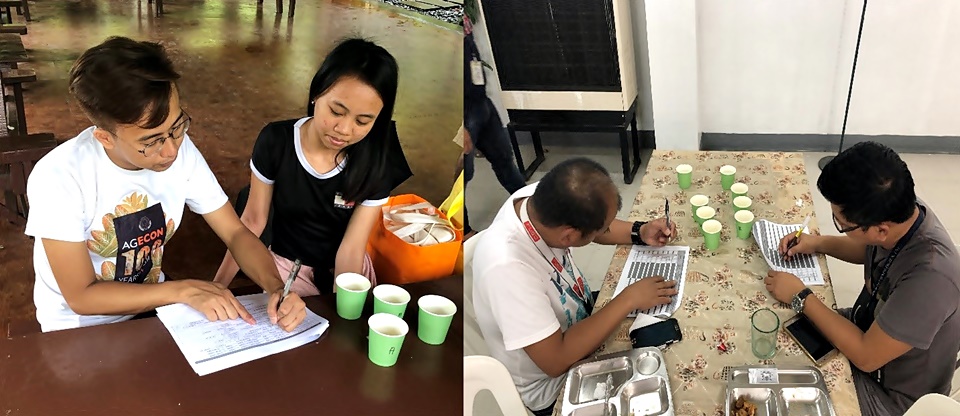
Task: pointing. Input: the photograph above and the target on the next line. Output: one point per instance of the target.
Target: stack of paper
(213, 346)
(669, 262)
(768, 235)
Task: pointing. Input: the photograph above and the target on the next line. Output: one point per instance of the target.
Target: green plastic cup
(352, 291)
(741, 203)
(727, 176)
(684, 176)
(738, 189)
(390, 299)
(711, 234)
(703, 214)
(386, 337)
(698, 201)
(436, 314)
(744, 224)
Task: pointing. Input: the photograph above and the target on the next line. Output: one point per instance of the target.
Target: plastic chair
(934, 404)
(486, 373)
(473, 343)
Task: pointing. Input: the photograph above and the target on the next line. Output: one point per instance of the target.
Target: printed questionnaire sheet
(644, 261)
(768, 235)
(213, 346)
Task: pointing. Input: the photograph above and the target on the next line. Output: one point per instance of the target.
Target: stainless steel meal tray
(640, 385)
(800, 390)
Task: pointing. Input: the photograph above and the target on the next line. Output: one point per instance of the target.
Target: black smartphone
(811, 341)
(656, 335)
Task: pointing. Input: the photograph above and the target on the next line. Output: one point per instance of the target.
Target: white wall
(642, 57)
(908, 74)
(784, 66)
(672, 48)
(772, 67)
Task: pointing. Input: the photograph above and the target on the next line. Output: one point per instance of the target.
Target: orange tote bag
(399, 262)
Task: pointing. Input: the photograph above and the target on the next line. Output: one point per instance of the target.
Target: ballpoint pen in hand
(796, 237)
(666, 210)
(290, 279)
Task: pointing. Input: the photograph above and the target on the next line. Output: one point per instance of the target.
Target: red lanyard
(579, 287)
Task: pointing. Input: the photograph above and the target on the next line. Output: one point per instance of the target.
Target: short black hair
(123, 81)
(574, 194)
(870, 184)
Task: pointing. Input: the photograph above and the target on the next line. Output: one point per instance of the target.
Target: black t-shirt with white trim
(310, 216)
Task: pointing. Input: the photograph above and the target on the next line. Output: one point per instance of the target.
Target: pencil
(796, 237)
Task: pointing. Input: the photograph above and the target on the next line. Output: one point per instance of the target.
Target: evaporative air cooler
(565, 65)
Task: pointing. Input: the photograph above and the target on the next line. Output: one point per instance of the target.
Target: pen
(796, 237)
(666, 210)
(290, 279)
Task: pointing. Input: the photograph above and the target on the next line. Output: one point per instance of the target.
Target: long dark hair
(366, 168)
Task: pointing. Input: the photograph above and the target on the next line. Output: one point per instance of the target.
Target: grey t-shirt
(920, 310)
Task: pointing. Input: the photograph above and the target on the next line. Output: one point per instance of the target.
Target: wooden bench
(14, 78)
(18, 155)
(12, 51)
(14, 29)
(22, 6)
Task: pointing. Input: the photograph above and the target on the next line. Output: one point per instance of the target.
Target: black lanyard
(864, 309)
(895, 252)
(474, 50)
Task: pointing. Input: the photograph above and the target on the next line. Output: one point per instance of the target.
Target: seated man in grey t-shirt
(903, 333)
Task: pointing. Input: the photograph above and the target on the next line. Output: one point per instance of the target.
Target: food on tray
(743, 407)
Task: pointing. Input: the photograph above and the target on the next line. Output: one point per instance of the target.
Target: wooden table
(135, 368)
(724, 287)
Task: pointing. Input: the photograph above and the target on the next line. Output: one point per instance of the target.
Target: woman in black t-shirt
(327, 175)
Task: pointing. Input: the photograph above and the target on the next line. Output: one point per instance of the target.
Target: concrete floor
(242, 67)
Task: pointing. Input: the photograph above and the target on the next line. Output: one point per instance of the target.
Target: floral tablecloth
(724, 287)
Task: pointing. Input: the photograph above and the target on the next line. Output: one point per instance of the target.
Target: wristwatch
(635, 233)
(798, 300)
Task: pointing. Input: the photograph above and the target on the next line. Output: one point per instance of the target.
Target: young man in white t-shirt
(104, 204)
(533, 306)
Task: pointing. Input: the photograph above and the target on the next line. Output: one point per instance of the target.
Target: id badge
(476, 72)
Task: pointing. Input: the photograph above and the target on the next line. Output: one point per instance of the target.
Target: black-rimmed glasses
(177, 132)
(843, 230)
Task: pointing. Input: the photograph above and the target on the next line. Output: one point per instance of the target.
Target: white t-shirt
(78, 194)
(520, 299)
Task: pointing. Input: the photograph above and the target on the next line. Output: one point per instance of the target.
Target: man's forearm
(842, 248)
(619, 234)
(584, 337)
(118, 298)
(842, 333)
(255, 261)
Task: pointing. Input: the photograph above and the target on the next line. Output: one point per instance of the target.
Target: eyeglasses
(843, 230)
(176, 133)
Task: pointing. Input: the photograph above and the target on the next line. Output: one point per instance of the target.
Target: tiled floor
(934, 175)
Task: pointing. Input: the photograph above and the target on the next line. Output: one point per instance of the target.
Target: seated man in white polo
(533, 305)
